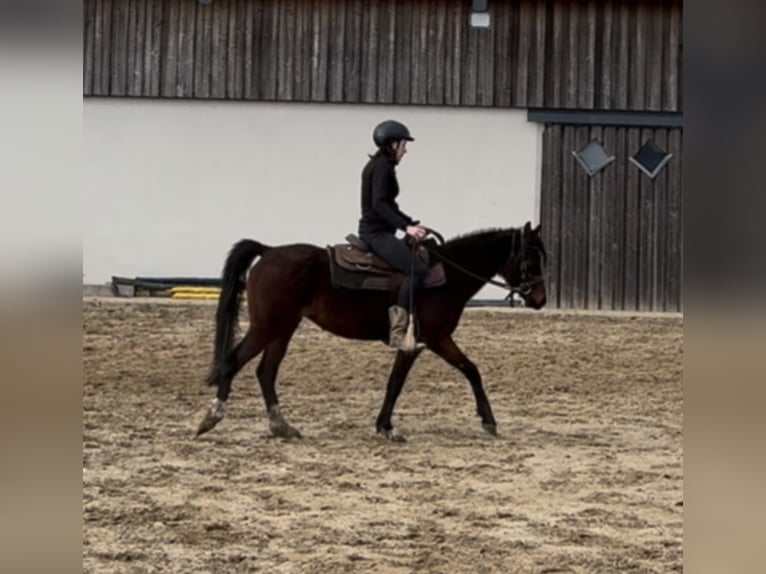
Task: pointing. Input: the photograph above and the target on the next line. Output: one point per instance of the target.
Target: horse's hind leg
(250, 345)
(267, 376)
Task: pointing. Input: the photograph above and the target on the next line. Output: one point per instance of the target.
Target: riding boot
(398, 339)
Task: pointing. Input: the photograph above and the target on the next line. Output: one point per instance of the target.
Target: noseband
(526, 284)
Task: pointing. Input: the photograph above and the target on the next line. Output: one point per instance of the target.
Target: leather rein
(524, 288)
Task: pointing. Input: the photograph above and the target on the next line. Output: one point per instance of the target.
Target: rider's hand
(416, 231)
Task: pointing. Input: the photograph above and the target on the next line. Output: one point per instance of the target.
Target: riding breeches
(396, 253)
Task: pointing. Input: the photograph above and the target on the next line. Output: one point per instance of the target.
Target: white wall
(170, 185)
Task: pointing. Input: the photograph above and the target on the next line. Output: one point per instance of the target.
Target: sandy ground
(585, 477)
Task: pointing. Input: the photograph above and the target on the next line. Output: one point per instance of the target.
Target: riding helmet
(390, 131)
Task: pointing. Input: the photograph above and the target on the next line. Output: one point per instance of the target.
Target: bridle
(525, 286)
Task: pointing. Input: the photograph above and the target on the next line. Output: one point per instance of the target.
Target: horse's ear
(538, 229)
(528, 227)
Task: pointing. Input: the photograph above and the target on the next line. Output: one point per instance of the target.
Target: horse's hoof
(490, 428)
(208, 423)
(392, 434)
(284, 430)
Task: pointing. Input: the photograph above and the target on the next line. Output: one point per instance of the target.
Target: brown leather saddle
(354, 266)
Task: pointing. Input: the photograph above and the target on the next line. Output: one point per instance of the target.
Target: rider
(381, 218)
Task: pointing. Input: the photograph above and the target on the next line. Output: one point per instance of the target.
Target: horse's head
(524, 269)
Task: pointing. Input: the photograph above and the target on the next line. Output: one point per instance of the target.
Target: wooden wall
(615, 239)
(586, 54)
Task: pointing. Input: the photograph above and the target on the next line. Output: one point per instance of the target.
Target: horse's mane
(459, 240)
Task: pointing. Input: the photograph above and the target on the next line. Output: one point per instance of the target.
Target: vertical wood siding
(585, 54)
(615, 239)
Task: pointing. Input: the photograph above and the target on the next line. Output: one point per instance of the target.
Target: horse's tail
(227, 315)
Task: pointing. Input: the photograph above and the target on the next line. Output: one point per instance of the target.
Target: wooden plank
(89, 47)
(370, 45)
(514, 26)
(568, 236)
(161, 9)
(269, 51)
(437, 68)
(609, 223)
(459, 14)
(622, 63)
(571, 63)
(119, 48)
(302, 43)
(659, 291)
(235, 53)
(672, 73)
(632, 221)
(418, 52)
(524, 39)
(606, 57)
(618, 212)
(587, 75)
(501, 14)
(595, 221)
(674, 299)
(655, 68)
(219, 46)
(470, 66)
(638, 58)
(354, 42)
(539, 63)
(131, 48)
(243, 21)
(429, 54)
(105, 48)
(336, 47)
(250, 62)
(286, 50)
(169, 71)
(581, 213)
(545, 209)
(554, 70)
(647, 234)
(621, 215)
(153, 59)
(403, 54)
(186, 40)
(202, 51)
(486, 71)
(387, 55)
(136, 70)
(552, 181)
(321, 33)
(98, 46)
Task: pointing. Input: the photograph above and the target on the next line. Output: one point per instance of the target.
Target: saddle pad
(354, 259)
(347, 276)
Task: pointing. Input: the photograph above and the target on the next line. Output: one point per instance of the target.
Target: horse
(295, 281)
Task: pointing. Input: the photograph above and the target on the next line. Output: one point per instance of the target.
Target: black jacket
(380, 212)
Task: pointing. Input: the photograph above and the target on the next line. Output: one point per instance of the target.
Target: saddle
(354, 266)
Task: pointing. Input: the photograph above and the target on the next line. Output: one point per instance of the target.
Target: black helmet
(389, 131)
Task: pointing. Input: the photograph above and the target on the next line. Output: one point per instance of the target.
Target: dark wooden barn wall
(615, 239)
(591, 54)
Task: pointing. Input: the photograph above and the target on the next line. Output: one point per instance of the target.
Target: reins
(524, 288)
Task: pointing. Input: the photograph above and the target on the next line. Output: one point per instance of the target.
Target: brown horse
(290, 282)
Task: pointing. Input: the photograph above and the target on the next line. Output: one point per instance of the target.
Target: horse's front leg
(449, 351)
(402, 366)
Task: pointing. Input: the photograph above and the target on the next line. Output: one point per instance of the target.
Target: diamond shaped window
(593, 157)
(651, 158)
